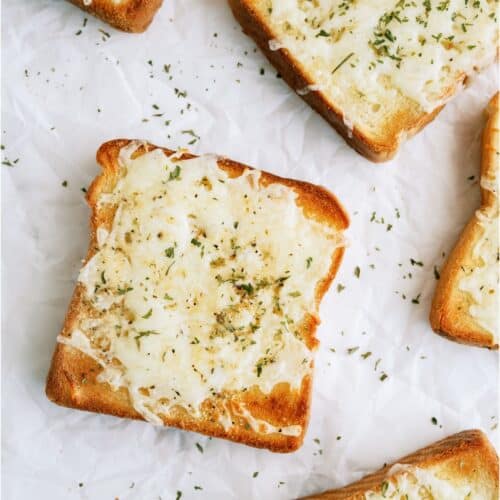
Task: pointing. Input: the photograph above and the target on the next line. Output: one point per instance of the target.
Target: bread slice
(197, 303)
(126, 15)
(376, 71)
(466, 304)
(462, 466)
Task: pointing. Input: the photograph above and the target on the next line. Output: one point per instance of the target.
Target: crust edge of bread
(71, 378)
(471, 447)
(443, 314)
(133, 16)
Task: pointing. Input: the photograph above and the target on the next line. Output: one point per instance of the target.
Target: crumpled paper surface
(71, 84)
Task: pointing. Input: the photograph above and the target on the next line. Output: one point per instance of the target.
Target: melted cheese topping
(373, 47)
(483, 281)
(412, 483)
(200, 286)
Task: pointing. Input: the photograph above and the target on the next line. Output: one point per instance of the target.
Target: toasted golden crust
(128, 15)
(449, 312)
(464, 458)
(409, 120)
(72, 377)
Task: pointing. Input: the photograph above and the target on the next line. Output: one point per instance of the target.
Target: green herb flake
(175, 175)
(248, 287)
(148, 314)
(195, 242)
(255, 474)
(144, 333)
(341, 63)
(437, 276)
(414, 262)
(200, 448)
(169, 267)
(384, 487)
(192, 133)
(169, 252)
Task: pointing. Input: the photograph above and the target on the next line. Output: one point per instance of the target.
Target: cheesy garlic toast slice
(377, 71)
(466, 305)
(198, 302)
(460, 467)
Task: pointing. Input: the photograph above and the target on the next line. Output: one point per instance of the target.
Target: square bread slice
(466, 304)
(197, 304)
(461, 467)
(377, 71)
(126, 15)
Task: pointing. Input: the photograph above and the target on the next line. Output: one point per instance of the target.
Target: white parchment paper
(69, 85)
